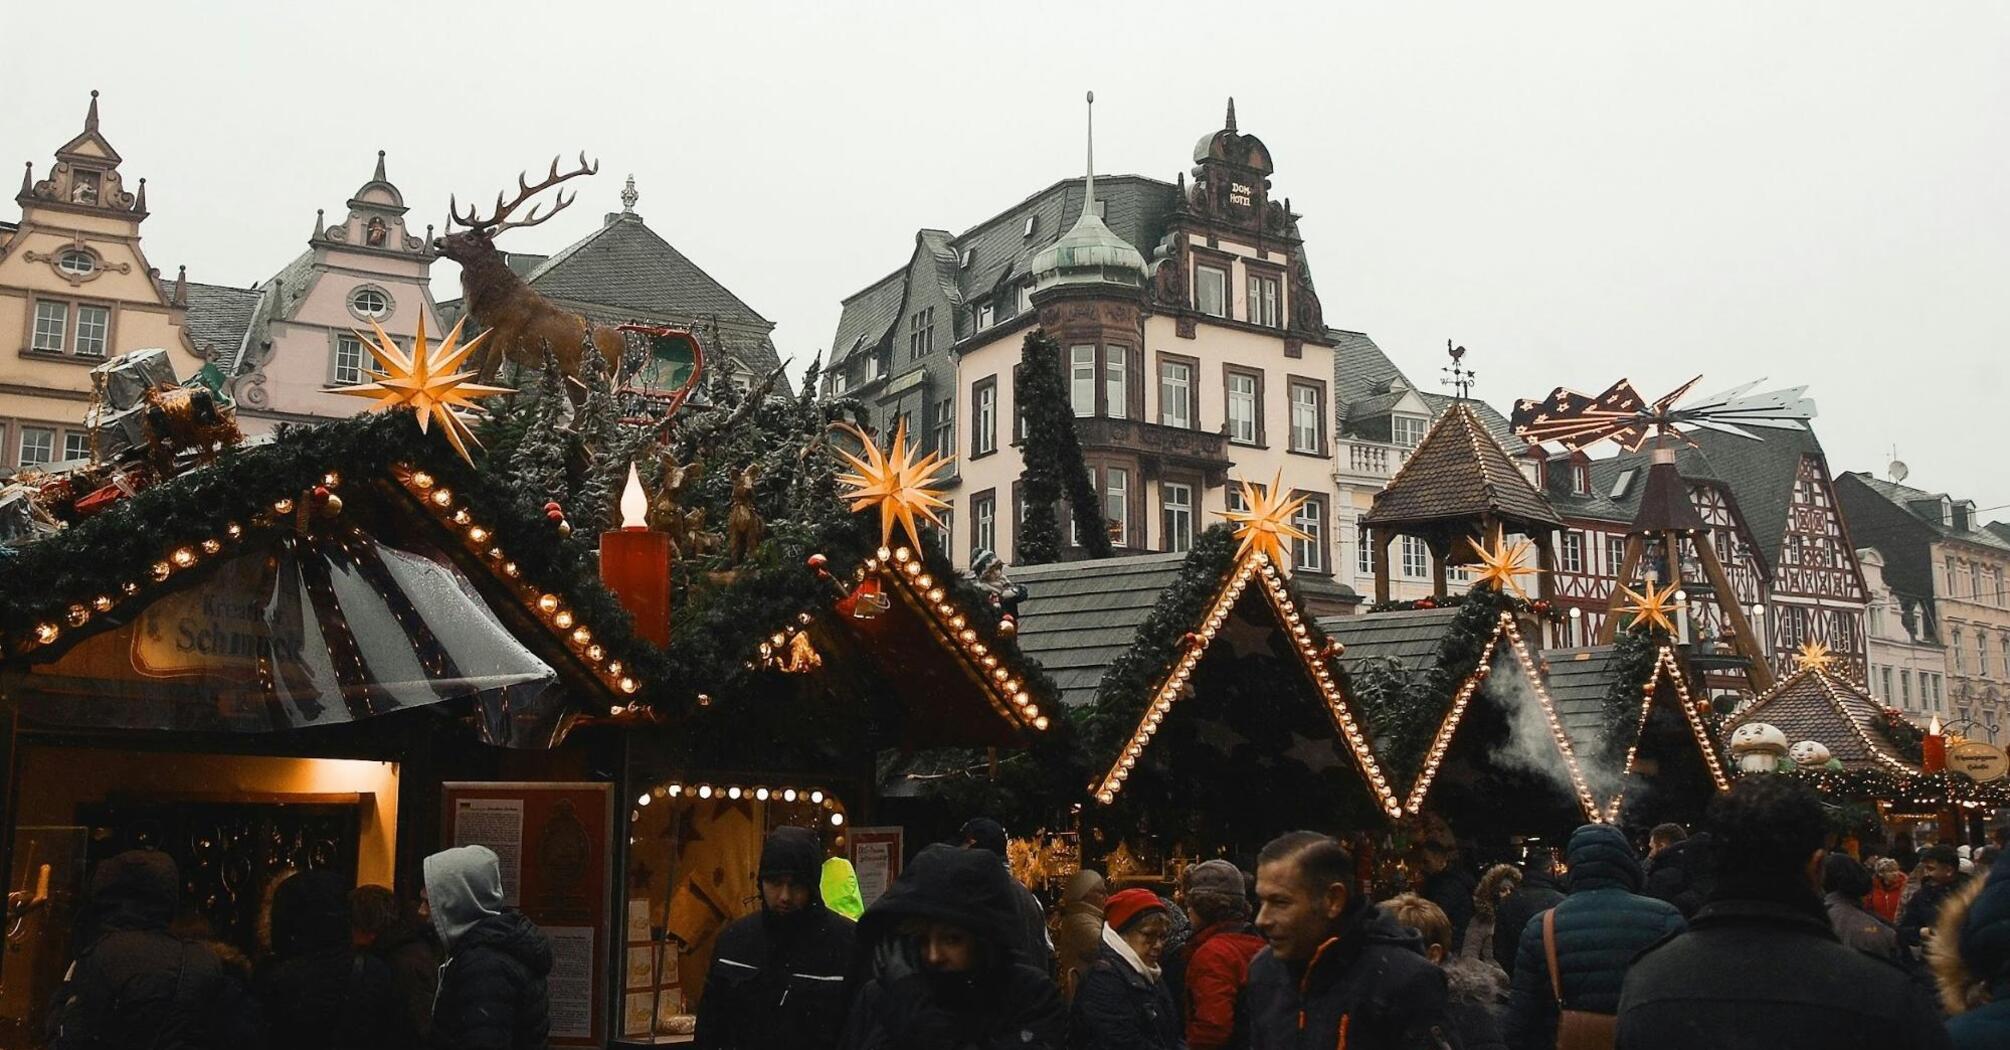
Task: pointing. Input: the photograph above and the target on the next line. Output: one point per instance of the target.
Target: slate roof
(1995, 535)
(1410, 637)
(218, 318)
(1760, 475)
(625, 265)
(1579, 680)
(1078, 616)
(1362, 373)
(1134, 206)
(1815, 705)
(1459, 472)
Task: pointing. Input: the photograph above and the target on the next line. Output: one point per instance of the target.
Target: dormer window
(77, 262)
(1580, 479)
(370, 303)
(1407, 431)
(1624, 482)
(1032, 223)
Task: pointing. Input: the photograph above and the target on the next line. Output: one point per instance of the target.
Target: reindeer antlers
(496, 223)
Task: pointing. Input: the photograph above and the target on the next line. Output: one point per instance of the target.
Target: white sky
(1814, 192)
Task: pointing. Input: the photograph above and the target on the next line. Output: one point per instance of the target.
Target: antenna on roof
(1897, 471)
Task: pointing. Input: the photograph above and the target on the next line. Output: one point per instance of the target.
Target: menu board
(556, 847)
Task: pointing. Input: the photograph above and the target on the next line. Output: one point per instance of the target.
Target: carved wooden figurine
(744, 528)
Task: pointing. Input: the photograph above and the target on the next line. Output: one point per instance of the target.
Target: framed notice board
(556, 845)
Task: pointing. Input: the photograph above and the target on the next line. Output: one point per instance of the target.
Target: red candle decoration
(1933, 749)
(635, 565)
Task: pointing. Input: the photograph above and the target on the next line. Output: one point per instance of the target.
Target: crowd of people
(337, 968)
(1751, 933)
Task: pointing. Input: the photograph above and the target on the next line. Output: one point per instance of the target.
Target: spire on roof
(320, 217)
(379, 176)
(1090, 252)
(1089, 193)
(91, 116)
(629, 196)
(140, 198)
(1230, 125)
(27, 177)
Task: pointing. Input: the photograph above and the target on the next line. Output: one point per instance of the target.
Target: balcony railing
(1371, 459)
(1194, 448)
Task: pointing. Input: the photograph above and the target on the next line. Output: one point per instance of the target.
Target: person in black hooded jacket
(946, 971)
(135, 984)
(778, 976)
(1540, 891)
(318, 992)
(492, 987)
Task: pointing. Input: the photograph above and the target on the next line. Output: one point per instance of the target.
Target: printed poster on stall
(875, 856)
(554, 841)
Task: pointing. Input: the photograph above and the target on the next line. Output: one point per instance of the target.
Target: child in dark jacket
(1476, 991)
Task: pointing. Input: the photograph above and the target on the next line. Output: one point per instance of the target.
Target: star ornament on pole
(426, 381)
(1264, 523)
(897, 481)
(1814, 656)
(1652, 605)
(1501, 565)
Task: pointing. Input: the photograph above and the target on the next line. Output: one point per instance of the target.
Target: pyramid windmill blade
(1788, 405)
(1722, 397)
(1723, 428)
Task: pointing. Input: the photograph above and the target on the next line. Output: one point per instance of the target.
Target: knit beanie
(1128, 906)
(1215, 876)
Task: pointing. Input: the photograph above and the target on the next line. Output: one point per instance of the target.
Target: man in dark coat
(1540, 891)
(1971, 960)
(989, 835)
(1337, 971)
(1939, 878)
(1679, 872)
(1449, 884)
(778, 976)
(134, 984)
(946, 971)
(492, 988)
(1598, 928)
(1759, 968)
(318, 992)
(407, 945)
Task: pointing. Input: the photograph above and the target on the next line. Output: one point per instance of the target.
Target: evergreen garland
(1052, 457)
(1636, 651)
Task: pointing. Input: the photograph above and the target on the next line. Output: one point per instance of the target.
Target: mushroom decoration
(1809, 754)
(1758, 747)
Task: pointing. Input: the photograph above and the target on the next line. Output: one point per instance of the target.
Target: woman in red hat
(1121, 1003)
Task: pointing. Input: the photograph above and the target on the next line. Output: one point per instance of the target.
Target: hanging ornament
(1814, 656)
(802, 656)
(895, 481)
(868, 601)
(1501, 566)
(426, 381)
(1264, 523)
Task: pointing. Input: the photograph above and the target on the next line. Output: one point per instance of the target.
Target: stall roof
(1816, 704)
(1411, 637)
(1079, 615)
(1579, 682)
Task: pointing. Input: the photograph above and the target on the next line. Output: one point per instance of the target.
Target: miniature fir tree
(1053, 460)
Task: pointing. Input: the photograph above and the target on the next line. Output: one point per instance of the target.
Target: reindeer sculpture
(522, 324)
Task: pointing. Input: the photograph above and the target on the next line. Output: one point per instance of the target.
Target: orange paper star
(426, 381)
(1264, 523)
(1502, 567)
(1814, 655)
(1655, 607)
(896, 481)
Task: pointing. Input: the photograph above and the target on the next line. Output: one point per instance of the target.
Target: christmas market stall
(1209, 714)
(342, 649)
(1878, 770)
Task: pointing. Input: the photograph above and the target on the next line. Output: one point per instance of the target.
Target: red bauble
(816, 561)
(320, 493)
(552, 512)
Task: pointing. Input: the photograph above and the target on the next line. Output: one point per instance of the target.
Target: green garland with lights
(1636, 652)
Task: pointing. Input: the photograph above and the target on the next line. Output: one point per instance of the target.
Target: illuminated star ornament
(1265, 520)
(1502, 567)
(426, 382)
(1814, 656)
(896, 481)
(1653, 606)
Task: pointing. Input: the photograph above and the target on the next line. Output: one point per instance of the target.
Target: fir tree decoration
(607, 444)
(536, 467)
(1053, 460)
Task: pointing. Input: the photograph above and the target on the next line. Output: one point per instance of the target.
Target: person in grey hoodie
(492, 986)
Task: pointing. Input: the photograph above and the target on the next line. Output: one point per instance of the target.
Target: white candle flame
(634, 503)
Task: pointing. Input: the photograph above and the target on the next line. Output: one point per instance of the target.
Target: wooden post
(1545, 559)
(1760, 672)
(1439, 555)
(1628, 565)
(1378, 542)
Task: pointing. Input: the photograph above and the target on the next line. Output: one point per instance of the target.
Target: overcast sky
(1814, 193)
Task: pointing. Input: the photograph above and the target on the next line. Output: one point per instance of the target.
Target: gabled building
(1189, 330)
(626, 272)
(1907, 663)
(75, 289)
(286, 344)
(1950, 574)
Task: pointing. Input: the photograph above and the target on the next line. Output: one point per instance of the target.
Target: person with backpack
(492, 987)
(318, 992)
(135, 985)
(1573, 957)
